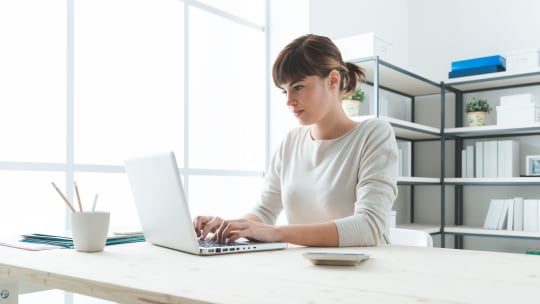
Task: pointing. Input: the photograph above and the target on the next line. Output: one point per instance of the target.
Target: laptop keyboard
(210, 243)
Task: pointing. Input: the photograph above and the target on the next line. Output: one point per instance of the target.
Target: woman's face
(310, 99)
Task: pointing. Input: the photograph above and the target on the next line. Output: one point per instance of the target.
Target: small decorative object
(533, 165)
(477, 110)
(351, 103)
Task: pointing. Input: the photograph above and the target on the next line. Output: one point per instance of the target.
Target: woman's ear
(334, 79)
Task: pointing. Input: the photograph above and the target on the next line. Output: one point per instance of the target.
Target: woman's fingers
(206, 224)
(231, 230)
(227, 231)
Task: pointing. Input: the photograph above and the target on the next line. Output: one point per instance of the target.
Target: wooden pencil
(64, 197)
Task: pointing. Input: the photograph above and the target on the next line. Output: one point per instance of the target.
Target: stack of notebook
(67, 242)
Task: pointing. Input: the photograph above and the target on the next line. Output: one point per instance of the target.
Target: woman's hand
(205, 225)
(227, 231)
(231, 230)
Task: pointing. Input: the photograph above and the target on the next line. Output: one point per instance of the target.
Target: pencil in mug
(78, 196)
(63, 197)
(95, 202)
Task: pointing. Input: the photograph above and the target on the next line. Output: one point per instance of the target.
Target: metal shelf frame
(382, 75)
(465, 85)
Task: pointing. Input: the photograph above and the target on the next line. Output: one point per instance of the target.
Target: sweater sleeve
(376, 189)
(270, 204)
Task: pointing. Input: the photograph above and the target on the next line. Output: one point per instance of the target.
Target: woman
(334, 177)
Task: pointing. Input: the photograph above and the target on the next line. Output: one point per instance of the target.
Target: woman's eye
(284, 92)
(298, 87)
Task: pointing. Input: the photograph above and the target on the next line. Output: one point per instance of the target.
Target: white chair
(409, 237)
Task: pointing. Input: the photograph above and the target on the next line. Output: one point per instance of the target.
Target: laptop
(164, 212)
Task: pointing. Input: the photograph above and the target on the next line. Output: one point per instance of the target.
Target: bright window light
(129, 94)
(227, 96)
(33, 80)
(126, 65)
(30, 204)
(252, 10)
(230, 196)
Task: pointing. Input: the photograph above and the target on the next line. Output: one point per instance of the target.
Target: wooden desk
(143, 273)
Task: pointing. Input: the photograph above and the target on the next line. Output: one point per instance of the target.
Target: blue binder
(483, 62)
(476, 71)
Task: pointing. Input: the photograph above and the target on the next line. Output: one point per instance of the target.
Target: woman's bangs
(294, 67)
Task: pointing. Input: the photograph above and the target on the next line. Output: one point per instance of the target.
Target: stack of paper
(67, 242)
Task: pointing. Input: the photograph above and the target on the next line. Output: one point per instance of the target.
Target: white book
(501, 158)
(490, 158)
(518, 214)
(530, 215)
(479, 155)
(510, 217)
(507, 158)
(464, 163)
(494, 214)
(503, 215)
(406, 147)
(489, 215)
(470, 161)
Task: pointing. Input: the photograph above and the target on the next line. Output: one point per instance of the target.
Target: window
(86, 83)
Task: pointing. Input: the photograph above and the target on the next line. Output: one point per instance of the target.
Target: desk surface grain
(143, 273)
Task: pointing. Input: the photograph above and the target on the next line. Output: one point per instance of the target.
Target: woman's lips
(298, 112)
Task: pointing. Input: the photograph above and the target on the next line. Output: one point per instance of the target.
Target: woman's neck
(332, 129)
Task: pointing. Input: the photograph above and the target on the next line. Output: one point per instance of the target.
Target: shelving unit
(382, 75)
(481, 83)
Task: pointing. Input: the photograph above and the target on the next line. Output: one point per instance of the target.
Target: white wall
(428, 35)
(388, 19)
(444, 31)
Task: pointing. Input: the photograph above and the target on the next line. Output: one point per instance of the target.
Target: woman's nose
(290, 100)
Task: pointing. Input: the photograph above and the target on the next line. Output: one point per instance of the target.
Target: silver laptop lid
(164, 211)
(161, 203)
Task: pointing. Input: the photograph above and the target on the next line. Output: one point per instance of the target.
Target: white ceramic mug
(89, 230)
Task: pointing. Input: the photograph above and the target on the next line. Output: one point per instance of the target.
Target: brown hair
(315, 55)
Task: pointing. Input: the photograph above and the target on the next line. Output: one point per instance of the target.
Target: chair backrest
(400, 236)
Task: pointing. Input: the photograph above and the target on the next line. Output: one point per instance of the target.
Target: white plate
(335, 259)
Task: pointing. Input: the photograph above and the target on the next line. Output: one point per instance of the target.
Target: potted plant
(351, 102)
(477, 110)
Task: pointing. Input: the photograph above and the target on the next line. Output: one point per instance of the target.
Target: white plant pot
(351, 107)
(476, 119)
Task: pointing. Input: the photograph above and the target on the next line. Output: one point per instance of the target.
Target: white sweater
(351, 180)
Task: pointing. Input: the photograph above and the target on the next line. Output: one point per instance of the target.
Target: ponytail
(351, 75)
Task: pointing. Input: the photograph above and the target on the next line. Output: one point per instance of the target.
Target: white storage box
(527, 59)
(513, 115)
(364, 45)
(526, 99)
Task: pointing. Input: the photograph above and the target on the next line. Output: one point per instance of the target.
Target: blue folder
(483, 62)
(476, 71)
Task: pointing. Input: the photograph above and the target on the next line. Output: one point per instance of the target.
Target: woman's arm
(251, 227)
(321, 235)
